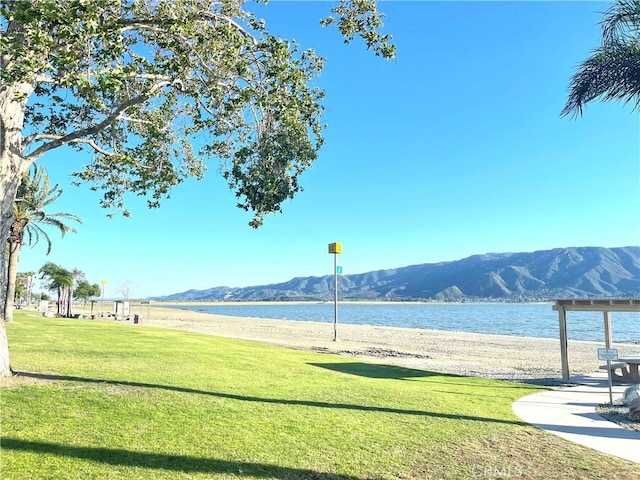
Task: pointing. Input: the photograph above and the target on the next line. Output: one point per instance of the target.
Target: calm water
(521, 319)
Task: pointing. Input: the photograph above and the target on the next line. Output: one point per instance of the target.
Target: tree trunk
(15, 243)
(59, 301)
(13, 100)
(29, 289)
(69, 294)
(12, 273)
(8, 186)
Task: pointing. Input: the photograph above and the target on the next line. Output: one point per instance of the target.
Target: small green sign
(338, 270)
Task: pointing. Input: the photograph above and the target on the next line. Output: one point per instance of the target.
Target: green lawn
(121, 401)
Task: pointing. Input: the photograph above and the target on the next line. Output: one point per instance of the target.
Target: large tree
(85, 290)
(141, 83)
(35, 194)
(24, 282)
(612, 71)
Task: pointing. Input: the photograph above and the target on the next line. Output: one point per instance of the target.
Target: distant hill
(585, 272)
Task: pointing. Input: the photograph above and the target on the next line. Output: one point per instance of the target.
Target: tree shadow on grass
(375, 370)
(159, 461)
(394, 372)
(280, 401)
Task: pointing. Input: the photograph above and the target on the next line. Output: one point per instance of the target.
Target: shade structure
(606, 306)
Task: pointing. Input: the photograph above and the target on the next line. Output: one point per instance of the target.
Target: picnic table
(625, 370)
(632, 371)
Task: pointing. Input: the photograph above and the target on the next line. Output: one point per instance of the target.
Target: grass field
(108, 400)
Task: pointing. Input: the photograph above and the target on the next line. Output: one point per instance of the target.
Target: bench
(615, 376)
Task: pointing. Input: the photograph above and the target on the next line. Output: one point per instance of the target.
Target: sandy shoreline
(495, 356)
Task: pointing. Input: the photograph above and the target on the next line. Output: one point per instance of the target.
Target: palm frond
(59, 224)
(611, 72)
(622, 20)
(35, 194)
(37, 232)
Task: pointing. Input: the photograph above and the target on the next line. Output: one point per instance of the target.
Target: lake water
(520, 319)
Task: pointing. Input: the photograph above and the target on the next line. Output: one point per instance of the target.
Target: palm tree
(613, 70)
(60, 279)
(76, 275)
(34, 195)
(24, 281)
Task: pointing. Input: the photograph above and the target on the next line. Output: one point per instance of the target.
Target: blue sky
(453, 149)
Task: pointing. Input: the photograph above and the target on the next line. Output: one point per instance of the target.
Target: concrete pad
(569, 412)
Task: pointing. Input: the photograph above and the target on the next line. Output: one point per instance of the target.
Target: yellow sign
(104, 282)
(335, 248)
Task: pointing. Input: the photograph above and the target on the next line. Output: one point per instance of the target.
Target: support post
(564, 357)
(607, 330)
(607, 344)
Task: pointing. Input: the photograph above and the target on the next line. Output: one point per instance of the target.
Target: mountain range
(577, 272)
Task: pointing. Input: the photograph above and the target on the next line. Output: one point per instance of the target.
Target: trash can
(137, 318)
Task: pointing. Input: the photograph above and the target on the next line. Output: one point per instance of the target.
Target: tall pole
(335, 248)
(335, 297)
(104, 282)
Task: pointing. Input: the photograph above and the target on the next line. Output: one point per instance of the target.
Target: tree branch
(152, 24)
(88, 141)
(78, 135)
(41, 78)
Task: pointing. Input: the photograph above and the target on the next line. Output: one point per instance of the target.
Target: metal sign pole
(610, 383)
(335, 297)
(608, 354)
(335, 248)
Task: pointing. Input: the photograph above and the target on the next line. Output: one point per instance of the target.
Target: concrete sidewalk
(569, 412)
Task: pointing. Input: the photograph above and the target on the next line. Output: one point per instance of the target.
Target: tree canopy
(138, 82)
(154, 90)
(86, 290)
